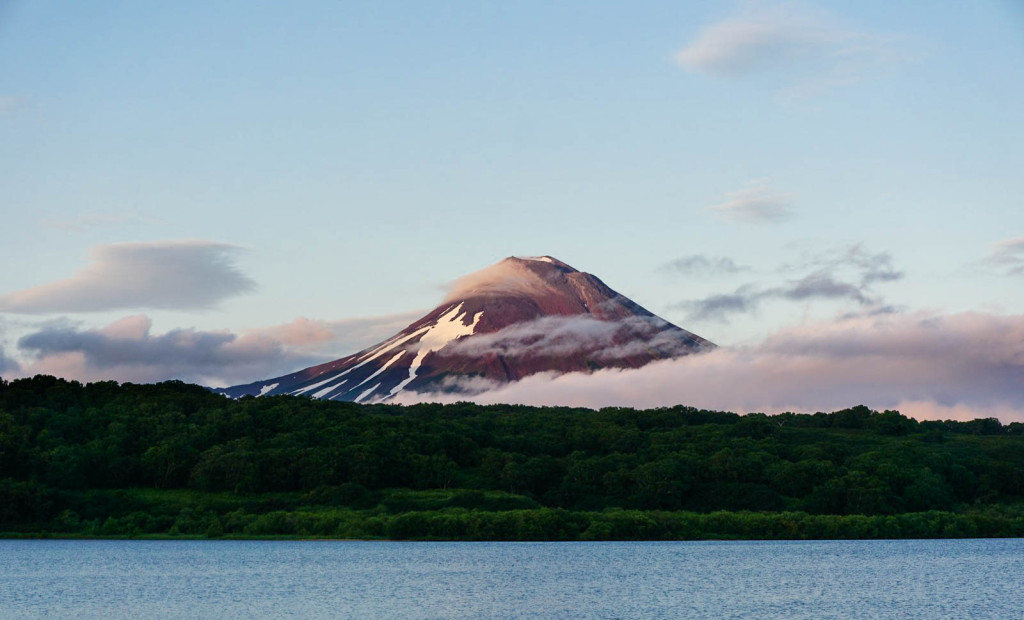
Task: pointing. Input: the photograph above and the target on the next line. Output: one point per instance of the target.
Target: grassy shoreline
(546, 524)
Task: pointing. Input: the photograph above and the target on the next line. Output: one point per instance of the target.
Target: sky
(222, 192)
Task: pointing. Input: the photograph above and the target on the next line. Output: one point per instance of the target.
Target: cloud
(819, 285)
(964, 365)
(554, 336)
(127, 350)
(808, 47)
(718, 307)
(10, 104)
(175, 275)
(755, 203)
(860, 268)
(333, 339)
(871, 267)
(1008, 257)
(8, 364)
(746, 299)
(506, 276)
(701, 265)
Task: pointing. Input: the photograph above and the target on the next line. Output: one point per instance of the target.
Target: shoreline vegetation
(175, 461)
(559, 525)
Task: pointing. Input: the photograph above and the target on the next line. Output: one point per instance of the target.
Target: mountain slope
(518, 317)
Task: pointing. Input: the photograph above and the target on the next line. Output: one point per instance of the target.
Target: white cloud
(811, 49)
(555, 336)
(166, 275)
(757, 202)
(964, 365)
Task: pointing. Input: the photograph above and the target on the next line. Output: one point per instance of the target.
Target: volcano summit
(515, 318)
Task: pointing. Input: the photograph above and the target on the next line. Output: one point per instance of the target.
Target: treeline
(175, 459)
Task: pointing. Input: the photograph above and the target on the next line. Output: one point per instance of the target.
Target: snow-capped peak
(515, 318)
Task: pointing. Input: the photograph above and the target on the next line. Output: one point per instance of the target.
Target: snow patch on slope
(387, 345)
(330, 388)
(381, 350)
(267, 388)
(449, 327)
(367, 392)
(381, 369)
(314, 386)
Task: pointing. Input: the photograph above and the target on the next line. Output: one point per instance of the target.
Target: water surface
(241, 579)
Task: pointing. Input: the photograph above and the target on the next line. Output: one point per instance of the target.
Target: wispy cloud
(128, 350)
(868, 267)
(332, 339)
(720, 306)
(810, 49)
(757, 202)
(702, 265)
(965, 365)
(848, 275)
(10, 104)
(166, 275)
(1008, 257)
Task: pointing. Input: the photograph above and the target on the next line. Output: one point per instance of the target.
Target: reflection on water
(241, 579)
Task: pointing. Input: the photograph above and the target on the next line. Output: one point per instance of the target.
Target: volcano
(518, 317)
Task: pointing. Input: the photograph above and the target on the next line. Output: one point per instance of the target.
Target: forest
(176, 460)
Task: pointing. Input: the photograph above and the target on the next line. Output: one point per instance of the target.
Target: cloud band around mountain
(964, 365)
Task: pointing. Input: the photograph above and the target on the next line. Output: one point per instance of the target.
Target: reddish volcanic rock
(518, 317)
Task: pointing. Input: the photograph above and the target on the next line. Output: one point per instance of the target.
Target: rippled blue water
(241, 579)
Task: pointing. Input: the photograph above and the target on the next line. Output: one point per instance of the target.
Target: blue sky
(338, 160)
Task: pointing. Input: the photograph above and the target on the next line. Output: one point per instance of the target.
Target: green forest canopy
(174, 458)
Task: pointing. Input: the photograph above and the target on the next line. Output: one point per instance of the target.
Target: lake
(242, 579)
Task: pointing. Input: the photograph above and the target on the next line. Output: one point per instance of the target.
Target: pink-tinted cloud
(332, 339)
(505, 276)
